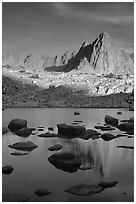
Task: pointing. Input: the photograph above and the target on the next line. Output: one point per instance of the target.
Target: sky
(52, 28)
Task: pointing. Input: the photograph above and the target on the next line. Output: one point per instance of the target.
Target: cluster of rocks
(66, 160)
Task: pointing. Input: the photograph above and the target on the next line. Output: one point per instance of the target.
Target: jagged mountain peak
(104, 35)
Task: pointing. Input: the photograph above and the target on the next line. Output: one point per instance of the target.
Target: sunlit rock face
(103, 56)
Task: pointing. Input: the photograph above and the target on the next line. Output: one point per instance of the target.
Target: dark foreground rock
(85, 189)
(24, 146)
(7, 169)
(108, 184)
(42, 192)
(126, 147)
(89, 134)
(23, 132)
(16, 197)
(127, 127)
(17, 124)
(65, 161)
(70, 130)
(4, 130)
(55, 147)
(110, 120)
(108, 137)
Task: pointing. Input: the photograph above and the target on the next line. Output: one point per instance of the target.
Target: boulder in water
(126, 147)
(131, 120)
(17, 124)
(119, 113)
(7, 169)
(42, 192)
(85, 189)
(4, 130)
(33, 129)
(89, 134)
(50, 128)
(108, 184)
(48, 134)
(110, 120)
(108, 137)
(24, 146)
(19, 153)
(23, 132)
(66, 161)
(76, 113)
(70, 130)
(55, 147)
(127, 127)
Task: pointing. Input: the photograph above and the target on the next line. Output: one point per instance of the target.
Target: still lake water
(33, 171)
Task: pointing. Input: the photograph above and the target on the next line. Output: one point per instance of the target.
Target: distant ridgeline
(102, 56)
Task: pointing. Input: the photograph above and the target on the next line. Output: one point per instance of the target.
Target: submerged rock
(4, 130)
(42, 192)
(33, 129)
(17, 124)
(85, 189)
(110, 120)
(121, 135)
(107, 128)
(7, 169)
(108, 184)
(126, 147)
(19, 153)
(24, 146)
(108, 137)
(70, 130)
(55, 147)
(15, 197)
(86, 166)
(65, 161)
(48, 134)
(78, 121)
(40, 129)
(23, 132)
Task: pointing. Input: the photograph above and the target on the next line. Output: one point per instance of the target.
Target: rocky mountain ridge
(101, 56)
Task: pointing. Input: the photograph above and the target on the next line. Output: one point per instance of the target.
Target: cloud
(69, 10)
